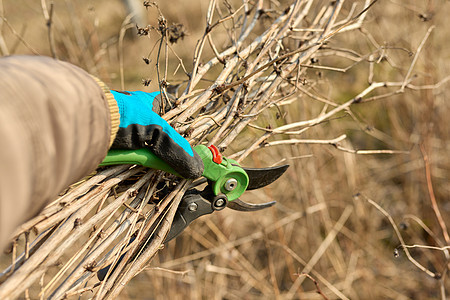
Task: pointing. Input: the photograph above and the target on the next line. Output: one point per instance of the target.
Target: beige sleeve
(56, 125)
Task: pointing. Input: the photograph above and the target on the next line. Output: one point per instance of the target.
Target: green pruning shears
(225, 175)
(227, 181)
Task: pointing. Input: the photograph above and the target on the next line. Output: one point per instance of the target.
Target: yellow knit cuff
(113, 109)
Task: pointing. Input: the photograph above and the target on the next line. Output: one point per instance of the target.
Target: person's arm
(56, 125)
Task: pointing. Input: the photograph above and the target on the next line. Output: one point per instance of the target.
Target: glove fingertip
(188, 167)
(195, 170)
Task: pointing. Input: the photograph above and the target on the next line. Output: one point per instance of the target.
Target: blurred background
(326, 222)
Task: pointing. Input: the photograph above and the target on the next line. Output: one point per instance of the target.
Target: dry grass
(359, 113)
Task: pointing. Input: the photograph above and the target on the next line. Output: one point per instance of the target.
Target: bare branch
(402, 242)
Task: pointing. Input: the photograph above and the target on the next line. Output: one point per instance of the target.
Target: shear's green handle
(141, 157)
(227, 177)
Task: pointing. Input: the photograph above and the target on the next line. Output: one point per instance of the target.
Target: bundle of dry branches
(264, 68)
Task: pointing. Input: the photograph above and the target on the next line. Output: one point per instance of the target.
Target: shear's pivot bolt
(220, 202)
(231, 184)
(193, 206)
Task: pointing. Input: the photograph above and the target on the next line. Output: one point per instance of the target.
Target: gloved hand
(142, 127)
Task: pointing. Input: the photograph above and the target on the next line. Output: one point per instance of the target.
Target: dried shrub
(260, 78)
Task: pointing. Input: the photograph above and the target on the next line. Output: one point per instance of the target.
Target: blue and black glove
(142, 127)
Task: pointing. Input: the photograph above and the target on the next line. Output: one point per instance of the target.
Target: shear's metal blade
(259, 178)
(240, 205)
